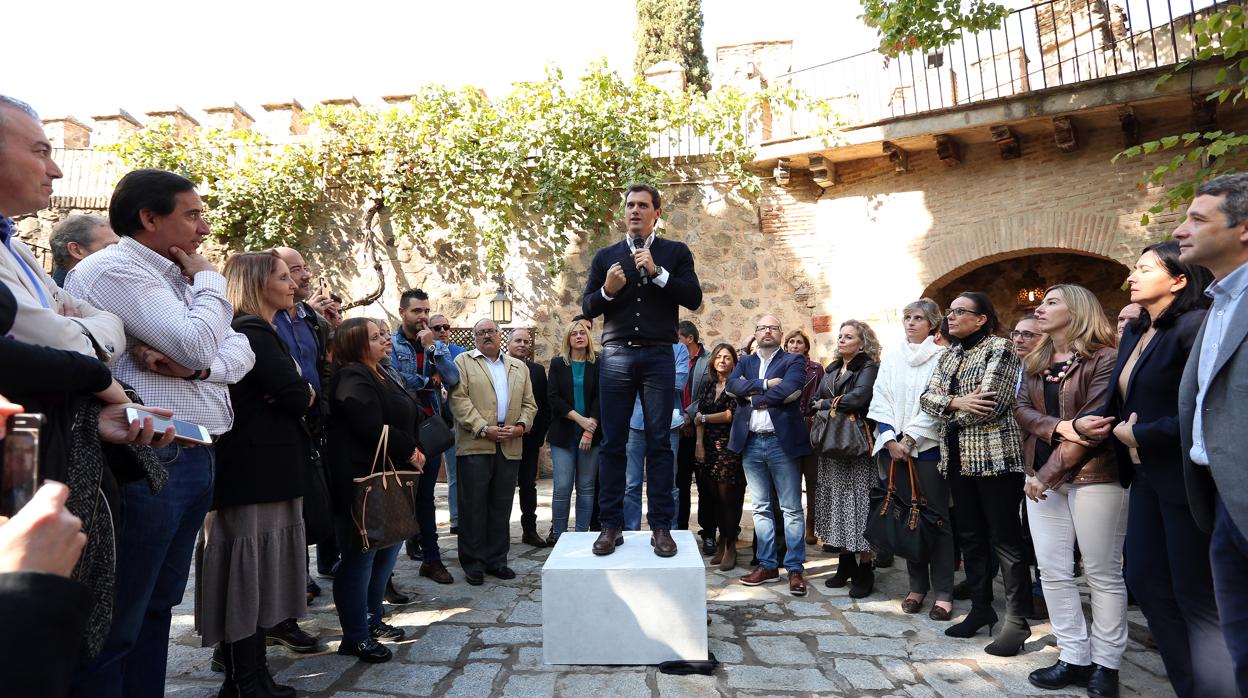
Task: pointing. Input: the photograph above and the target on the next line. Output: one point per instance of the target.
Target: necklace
(1061, 370)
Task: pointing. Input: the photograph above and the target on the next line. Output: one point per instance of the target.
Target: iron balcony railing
(1050, 44)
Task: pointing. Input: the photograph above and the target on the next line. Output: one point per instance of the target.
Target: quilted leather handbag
(383, 506)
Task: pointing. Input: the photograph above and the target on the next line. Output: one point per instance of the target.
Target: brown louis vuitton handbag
(383, 504)
(839, 435)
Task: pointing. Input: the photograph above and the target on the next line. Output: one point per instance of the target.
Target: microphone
(639, 243)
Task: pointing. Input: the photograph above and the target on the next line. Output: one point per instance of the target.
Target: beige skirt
(250, 570)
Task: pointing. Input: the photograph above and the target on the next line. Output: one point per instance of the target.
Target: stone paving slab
(486, 641)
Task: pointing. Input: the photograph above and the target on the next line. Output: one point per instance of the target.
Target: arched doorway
(1003, 279)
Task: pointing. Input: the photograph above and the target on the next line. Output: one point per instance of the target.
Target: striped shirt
(189, 323)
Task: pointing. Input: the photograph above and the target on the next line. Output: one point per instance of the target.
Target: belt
(763, 433)
(640, 343)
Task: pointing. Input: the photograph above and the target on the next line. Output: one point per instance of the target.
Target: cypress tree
(672, 30)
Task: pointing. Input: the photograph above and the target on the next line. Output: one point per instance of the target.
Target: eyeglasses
(959, 312)
(767, 328)
(486, 332)
(1025, 335)
(440, 328)
(520, 341)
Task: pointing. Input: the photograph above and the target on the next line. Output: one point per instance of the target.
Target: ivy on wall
(529, 170)
(1221, 38)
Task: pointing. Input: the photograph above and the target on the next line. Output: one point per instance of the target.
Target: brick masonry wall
(861, 249)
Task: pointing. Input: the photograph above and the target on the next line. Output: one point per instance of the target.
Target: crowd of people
(1068, 445)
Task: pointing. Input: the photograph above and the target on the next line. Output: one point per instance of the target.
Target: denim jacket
(438, 361)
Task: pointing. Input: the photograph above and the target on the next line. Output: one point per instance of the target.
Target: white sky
(87, 57)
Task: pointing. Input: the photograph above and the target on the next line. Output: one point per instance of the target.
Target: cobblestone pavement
(482, 641)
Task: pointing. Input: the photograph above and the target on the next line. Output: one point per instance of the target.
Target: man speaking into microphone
(637, 285)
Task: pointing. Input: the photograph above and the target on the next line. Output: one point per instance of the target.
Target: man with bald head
(1129, 312)
(770, 434)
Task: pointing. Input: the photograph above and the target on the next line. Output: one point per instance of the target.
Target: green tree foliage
(671, 30)
(913, 25)
(528, 171)
(1222, 40)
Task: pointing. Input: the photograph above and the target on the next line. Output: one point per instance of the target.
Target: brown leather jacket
(1084, 388)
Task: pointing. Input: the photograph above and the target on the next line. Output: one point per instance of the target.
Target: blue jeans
(451, 489)
(1228, 555)
(360, 584)
(154, 550)
(572, 465)
(766, 463)
(636, 469)
(624, 372)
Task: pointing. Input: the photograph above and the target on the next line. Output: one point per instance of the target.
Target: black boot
(1009, 641)
(864, 581)
(1060, 676)
(976, 619)
(263, 677)
(241, 680)
(1103, 683)
(846, 565)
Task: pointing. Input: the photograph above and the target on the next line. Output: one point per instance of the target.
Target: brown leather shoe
(661, 541)
(797, 584)
(761, 575)
(607, 540)
(436, 571)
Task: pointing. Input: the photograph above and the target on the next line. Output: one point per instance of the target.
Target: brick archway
(1028, 233)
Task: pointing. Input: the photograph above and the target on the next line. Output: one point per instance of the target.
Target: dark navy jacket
(644, 313)
(781, 401)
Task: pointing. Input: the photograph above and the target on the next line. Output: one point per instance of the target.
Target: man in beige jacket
(493, 407)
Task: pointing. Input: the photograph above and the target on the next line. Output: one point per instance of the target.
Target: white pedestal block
(630, 607)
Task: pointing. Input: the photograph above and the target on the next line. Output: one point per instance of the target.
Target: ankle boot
(846, 564)
(718, 557)
(978, 617)
(1103, 683)
(1010, 640)
(864, 581)
(729, 561)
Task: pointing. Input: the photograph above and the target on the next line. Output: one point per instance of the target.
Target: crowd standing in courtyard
(1070, 443)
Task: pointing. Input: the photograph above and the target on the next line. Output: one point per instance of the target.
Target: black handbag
(318, 516)
(434, 437)
(905, 529)
(839, 435)
(383, 504)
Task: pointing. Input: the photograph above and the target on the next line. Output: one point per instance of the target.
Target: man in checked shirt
(182, 355)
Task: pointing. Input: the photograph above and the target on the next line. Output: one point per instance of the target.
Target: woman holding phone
(249, 560)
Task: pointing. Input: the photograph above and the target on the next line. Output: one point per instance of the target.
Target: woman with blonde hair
(249, 560)
(910, 438)
(1074, 496)
(841, 503)
(573, 436)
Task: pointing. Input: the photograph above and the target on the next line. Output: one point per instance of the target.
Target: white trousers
(1095, 515)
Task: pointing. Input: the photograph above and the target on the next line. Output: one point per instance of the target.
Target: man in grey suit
(1213, 400)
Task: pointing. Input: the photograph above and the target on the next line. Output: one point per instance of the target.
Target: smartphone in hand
(186, 432)
(20, 476)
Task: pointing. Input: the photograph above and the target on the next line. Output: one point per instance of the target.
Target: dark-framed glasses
(1024, 334)
(959, 312)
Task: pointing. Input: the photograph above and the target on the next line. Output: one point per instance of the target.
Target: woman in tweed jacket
(972, 394)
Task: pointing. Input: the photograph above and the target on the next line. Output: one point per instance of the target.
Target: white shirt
(760, 418)
(498, 376)
(189, 323)
(659, 279)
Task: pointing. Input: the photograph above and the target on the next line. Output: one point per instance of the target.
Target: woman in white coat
(908, 435)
